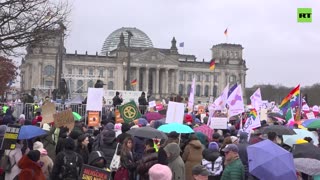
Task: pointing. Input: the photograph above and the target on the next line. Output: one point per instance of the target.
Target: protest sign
(201, 109)
(93, 118)
(175, 112)
(129, 112)
(64, 118)
(95, 99)
(93, 173)
(10, 137)
(152, 104)
(48, 109)
(219, 123)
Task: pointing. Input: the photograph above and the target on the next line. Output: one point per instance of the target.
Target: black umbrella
(306, 150)
(280, 130)
(147, 132)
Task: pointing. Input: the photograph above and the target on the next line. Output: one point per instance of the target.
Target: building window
(181, 89)
(80, 71)
(207, 78)
(214, 91)
(232, 79)
(181, 75)
(215, 78)
(198, 77)
(198, 88)
(49, 70)
(48, 83)
(110, 73)
(189, 76)
(101, 72)
(189, 89)
(90, 84)
(206, 91)
(110, 85)
(90, 71)
(80, 86)
(69, 70)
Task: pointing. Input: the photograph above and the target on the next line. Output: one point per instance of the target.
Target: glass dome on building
(139, 39)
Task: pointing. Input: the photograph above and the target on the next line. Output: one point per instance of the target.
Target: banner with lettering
(93, 173)
(10, 137)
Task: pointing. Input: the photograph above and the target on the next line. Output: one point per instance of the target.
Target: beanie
(34, 155)
(160, 172)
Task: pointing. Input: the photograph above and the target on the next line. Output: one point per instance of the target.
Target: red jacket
(30, 169)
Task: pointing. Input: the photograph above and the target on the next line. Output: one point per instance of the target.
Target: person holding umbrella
(233, 166)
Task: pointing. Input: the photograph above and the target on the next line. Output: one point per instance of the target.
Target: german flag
(212, 64)
(134, 82)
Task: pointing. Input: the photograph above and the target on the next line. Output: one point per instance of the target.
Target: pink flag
(235, 102)
(256, 99)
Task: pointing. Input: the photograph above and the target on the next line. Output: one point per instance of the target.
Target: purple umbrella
(153, 116)
(267, 161)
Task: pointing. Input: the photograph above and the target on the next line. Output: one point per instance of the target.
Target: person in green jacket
(234, 168)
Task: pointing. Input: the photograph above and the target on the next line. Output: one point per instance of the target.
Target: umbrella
(311, 123)
(147, 132)
(76, 116)
(206, 130)
(306, 150)
(267, 160)
(279, 129)
(274, 115)
(29, 131)
(153, 116)
(179, 128)
(300, 134)
(307, 166)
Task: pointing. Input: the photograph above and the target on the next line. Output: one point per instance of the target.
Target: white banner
(235, 102)
(218, 123)
(95, 97)
(175, 112)
(251, 123)
(127, 96)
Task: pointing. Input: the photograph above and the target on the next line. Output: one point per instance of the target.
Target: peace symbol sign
(129, 112)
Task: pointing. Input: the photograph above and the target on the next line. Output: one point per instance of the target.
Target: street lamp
(128, 64)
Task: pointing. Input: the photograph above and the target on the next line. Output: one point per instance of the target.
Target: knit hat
(200, 170)
(109, 126)
(69, 144)
(39, 146)
(173, 134)
(213, 146)
(160, 172)
(188, 119)
(108, 136)
(34, 155)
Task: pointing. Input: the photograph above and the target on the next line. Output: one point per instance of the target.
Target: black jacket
(117, 101)
(149, 159)
(142, 101)
(108, 150)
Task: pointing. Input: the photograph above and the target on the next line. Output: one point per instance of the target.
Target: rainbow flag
(253, 113)
(212, 64)
(134, 82)
(226, 32)
(291, 100)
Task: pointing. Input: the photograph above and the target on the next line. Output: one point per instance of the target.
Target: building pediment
(154, 56)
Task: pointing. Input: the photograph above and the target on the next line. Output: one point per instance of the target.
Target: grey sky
(278, 50)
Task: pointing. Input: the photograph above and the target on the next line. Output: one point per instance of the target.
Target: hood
(243, 137)
(210, 155)
(195, 144)
(107, 137)
(94, 156)
(174, 150)
(26, 163)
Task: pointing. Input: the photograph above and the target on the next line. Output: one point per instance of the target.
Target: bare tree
(23, 22)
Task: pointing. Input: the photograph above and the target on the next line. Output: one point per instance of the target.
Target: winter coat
(59, 162)
(213, 163)
(15, 156)
(30, 169)
(108, 149)
(122, 136)
(116, 101)
(192, 156)
(95, 156)
(46, 164)
(149, 159)
(84, 153)
(175, 162)
(234, 170)
(49, 144)
(138, 147)
(127, 160)
(8, 118)
(142, 101)
(162, 156)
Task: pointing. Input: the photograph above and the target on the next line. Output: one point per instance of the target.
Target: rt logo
(304, 15)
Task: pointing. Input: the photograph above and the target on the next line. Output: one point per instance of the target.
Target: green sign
(129, 112)
(304, 15)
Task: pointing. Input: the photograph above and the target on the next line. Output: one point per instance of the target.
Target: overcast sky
(277, 49)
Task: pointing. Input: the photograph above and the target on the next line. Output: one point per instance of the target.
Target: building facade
(159, 72)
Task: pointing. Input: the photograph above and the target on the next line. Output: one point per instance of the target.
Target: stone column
(157, 80)
(211, 84)
(167, 81)
(146, 83)
(202, 84)
(185, 83)
(177, 74)
(137, 77)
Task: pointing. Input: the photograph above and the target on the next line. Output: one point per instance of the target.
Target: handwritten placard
(175, 112)
(218, 123)
(48, 109)
(64, 118)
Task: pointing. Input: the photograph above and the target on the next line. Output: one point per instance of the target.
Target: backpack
(5, 163)
(121, 174)
(70, 169)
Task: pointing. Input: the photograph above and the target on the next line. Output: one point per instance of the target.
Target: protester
(37, 119)
(272, 136)
(127, 158)
(160, 172)
(233, 166)
(173, 137)
(199, 172)
(14, 157)
(107, 145)
(68, 163)
(192, 155)
(45, 161)
(149, 158)
(213, 161)
(124, 128)
(175, 162)
(48, 141)
(243, 155)
(97, 159)
(82, 147)
(117, 100)
(8, 117)
(30, 169)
